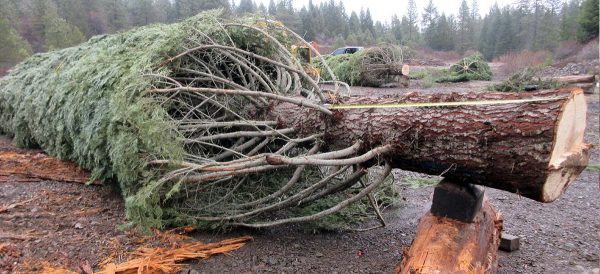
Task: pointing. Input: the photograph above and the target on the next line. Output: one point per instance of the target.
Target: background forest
(30, 26)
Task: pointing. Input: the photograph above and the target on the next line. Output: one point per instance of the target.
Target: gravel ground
(72, 224)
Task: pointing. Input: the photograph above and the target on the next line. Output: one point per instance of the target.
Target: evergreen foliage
(469, 68)
(588, 20)
(526, 79)
(97, 105)
(86, 104)
(528, 25)
(373, 67)
(13, 48)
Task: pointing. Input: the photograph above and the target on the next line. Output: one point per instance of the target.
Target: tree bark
(534, 149)
(575, 79)
(444, 245)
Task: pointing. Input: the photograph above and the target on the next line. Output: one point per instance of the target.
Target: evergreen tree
(9, 11)
(444, 38)
(73, 11)
(262, 9)
(379, 32)
(307, 24)
(549, 31)
(412, 19)
(141, 12)
(474, 10)
(60, 34)
(429, 19)
(272, 7)
(367, 23)
(51, 32)
(316, 15)
(189, 8)
(396, 29)
(116, 15)
(528, 24)
(588, 20)
(505, 35)
(354, 25)
(475, 23)
(489, 33)
(96, 20)
(287, 15)
(164, 11)
(465, 27)
(13, 48)
(246, 6)
(569, 26)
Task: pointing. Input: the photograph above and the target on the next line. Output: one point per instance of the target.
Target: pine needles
(467, 69)
(169, 259)
(373, 67)
(525, 80)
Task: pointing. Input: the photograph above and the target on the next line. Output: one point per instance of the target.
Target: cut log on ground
(576, 79)
(534, 149)
(444, 245)
(586, 82)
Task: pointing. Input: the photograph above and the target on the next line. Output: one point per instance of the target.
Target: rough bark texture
(504, 146)
(444, 245)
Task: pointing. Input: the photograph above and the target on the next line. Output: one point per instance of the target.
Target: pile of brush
(527, 79)
(467, 69)
(377, 66)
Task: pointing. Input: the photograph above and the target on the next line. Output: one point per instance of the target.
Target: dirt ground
(71, 224)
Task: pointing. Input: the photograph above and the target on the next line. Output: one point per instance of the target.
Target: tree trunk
(575, 79)
(532, 148)
(444, 245)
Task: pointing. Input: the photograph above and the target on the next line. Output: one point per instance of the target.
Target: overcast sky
(383, 10)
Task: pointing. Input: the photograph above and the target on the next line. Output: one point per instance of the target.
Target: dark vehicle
(346, 50)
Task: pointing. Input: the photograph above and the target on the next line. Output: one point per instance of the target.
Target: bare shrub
(516, 61)
(589, 51)
(567, 49)
(432, 55)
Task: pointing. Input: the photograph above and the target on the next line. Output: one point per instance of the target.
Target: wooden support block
(457, 201)
(444, 245)
(509, 242)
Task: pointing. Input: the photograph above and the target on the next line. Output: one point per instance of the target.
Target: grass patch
(593, 168)
(418, 182)
(428, 77)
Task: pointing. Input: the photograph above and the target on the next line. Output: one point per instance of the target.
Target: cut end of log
(405, 69)
(570, 153)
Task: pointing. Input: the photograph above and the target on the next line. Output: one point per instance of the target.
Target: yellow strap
(443, 104)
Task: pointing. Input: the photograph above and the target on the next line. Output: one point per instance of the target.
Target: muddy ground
(71, 224)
